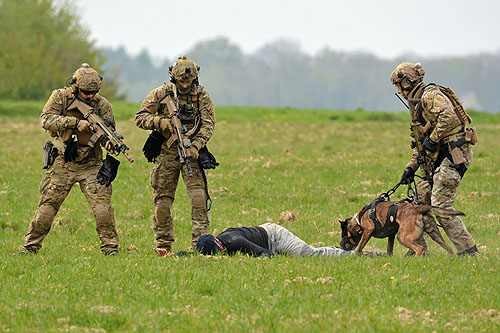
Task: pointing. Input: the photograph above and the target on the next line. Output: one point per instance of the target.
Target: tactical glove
(71, 151)
(110, 148)
(166, 126)
(408, 176)
(152, 147)
(206, 159)
(193, 152)
(430, 145)
(83, 125)
(108, 171)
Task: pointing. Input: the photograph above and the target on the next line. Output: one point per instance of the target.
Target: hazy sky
(387, 28)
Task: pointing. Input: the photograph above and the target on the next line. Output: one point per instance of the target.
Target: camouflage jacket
(196, 108)
(61, 123)
(437, 109)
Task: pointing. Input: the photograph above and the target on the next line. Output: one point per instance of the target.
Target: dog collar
(350, 238)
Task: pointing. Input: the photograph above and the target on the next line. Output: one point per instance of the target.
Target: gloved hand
(193, 152)
(83, 125)
(166, 126)
(206, 159)
(152, 147)
(108, 171)
(110, 148)
(408, 176)
(429, 145)
(71, 151)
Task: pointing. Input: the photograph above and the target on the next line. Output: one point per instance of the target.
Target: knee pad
(103, 215)
(198, 199)
(163, 208)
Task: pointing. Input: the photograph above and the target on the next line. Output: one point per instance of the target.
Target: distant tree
(280, 73)
(42, 42)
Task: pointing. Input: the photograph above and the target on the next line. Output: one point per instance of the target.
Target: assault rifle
(418, 133)
(183, 142)
(100, 128)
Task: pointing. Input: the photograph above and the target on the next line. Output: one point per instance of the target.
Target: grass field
(321, 165)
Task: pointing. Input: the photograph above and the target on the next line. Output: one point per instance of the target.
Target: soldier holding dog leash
(441, 148)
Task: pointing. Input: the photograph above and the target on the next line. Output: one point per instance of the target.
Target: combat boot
(24, 251)
(472, 251)
(162, 252)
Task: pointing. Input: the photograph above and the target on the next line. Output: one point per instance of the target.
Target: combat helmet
(407, 74)
(87, 79)
(184, 69)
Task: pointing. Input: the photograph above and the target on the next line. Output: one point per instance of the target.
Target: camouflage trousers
(54, 189)
(442, 194)
(164, 179)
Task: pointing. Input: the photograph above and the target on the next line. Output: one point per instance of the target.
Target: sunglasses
(89, 92)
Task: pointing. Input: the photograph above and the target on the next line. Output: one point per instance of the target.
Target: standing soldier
(441, 148)
(72, 160)
(180, 103)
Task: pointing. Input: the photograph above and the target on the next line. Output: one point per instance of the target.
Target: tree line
(281, 74)
(43, 41)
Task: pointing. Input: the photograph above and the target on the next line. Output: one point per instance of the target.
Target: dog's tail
(423, 209)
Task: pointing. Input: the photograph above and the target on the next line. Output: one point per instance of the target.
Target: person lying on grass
(265, 240)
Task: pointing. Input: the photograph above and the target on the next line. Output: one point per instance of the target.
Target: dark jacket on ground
(253, 241)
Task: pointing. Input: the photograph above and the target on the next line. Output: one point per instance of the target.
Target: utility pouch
(456, 155)
(471, 135)
(49, 154)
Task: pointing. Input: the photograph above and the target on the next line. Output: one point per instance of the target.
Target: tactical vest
(457, 105)
(449, 146)
(84, 149)
(189, 108)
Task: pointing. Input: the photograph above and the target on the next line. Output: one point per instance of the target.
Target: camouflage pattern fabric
(438, 110)
(197, 105)
(446, 182)
(87, 78)
(198, 115)
(55, 187)
(164, 179)
(61, 124)
(61, 176)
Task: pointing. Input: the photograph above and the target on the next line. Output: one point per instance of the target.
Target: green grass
(322, 165)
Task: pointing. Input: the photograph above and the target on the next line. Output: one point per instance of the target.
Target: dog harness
(390, 227)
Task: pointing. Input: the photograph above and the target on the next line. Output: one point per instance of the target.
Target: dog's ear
(345, 221)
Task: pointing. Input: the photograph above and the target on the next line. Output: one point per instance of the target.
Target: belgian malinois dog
(406, 223)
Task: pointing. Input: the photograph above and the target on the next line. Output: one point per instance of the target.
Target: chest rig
(189, 109)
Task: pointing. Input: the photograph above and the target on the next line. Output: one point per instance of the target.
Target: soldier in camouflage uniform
(75, 162)
(197, 115)
(441, 148)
